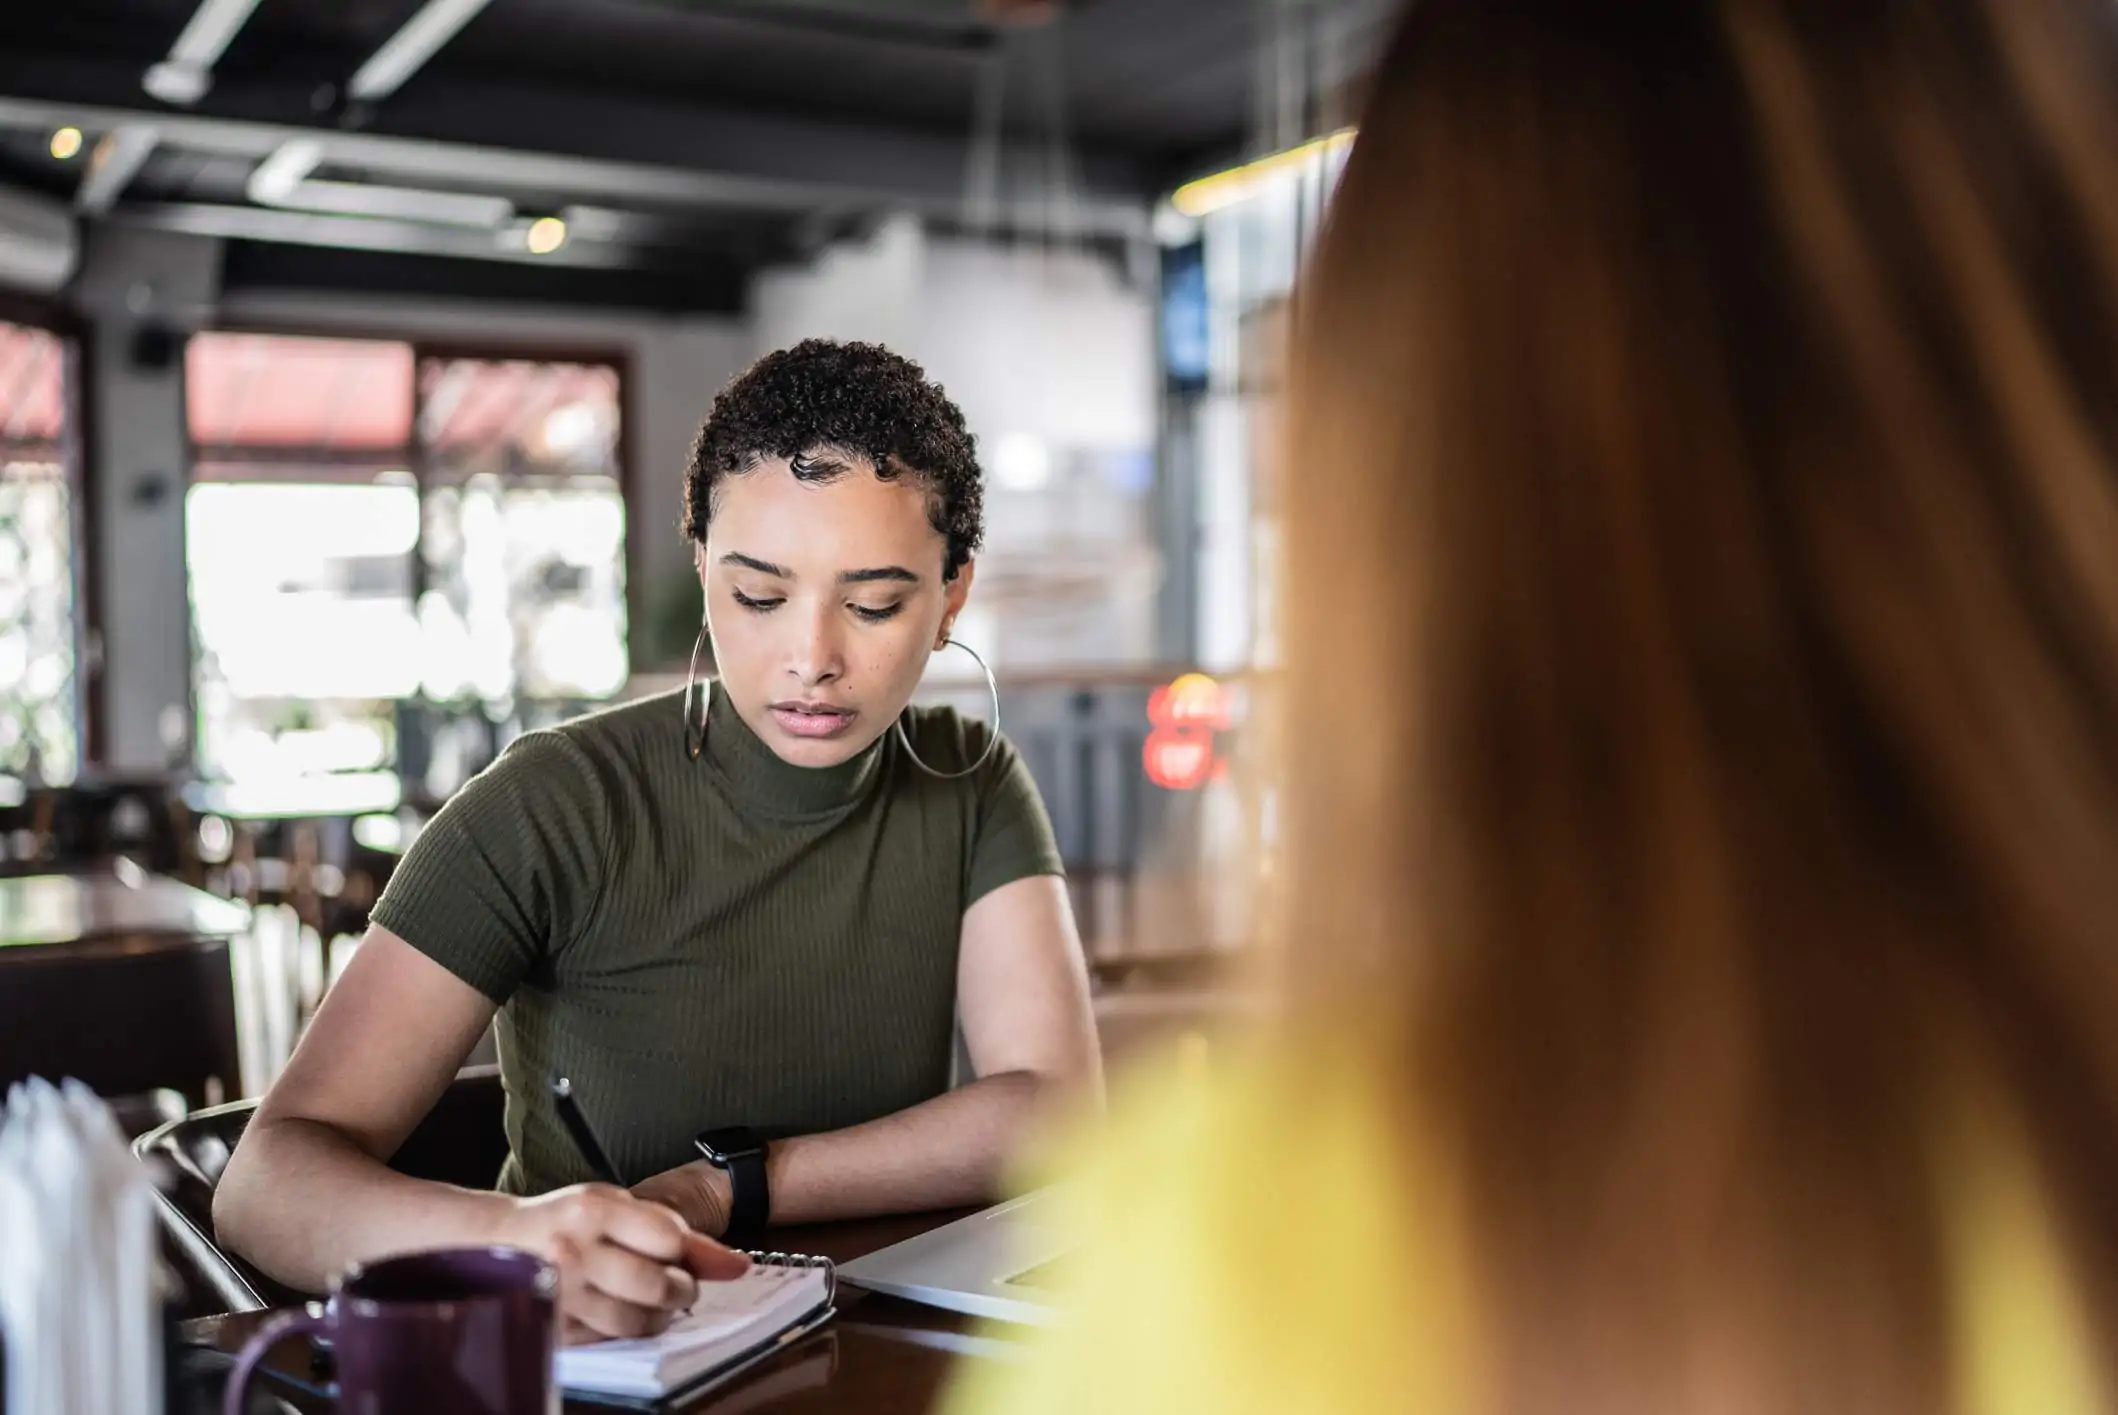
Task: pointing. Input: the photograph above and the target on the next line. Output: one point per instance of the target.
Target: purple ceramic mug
(457, 1329)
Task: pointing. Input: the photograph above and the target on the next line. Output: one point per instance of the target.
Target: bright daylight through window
(39, 707)
(396, 561)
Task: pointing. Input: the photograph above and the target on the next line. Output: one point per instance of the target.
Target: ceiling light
(273, 181)
(1224, 189)
(178, 85)
(183, 78)
(545, 235)
(65, 143)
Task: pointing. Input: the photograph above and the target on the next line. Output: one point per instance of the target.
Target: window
(398, 559)
(301, 522)
(525, 530)
(40, 718)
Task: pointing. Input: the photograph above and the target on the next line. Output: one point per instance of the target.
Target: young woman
(1702, 778)
(753, 917)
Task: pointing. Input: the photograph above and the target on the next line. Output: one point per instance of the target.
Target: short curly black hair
(823, 403)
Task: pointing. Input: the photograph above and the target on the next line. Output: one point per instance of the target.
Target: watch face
(725, 1145)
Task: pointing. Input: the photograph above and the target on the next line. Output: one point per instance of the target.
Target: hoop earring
(992, 686)
(695, 741)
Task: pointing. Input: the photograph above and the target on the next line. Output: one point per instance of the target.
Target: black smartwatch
(740, 1151)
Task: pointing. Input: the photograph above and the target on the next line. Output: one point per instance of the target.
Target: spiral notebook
(732, 1326)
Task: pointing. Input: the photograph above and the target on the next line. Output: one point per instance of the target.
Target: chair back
(123, 1014)
(461, 1141)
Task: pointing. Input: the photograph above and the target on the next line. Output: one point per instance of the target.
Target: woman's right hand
(626, 1266)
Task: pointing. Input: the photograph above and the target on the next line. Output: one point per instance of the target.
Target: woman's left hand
(697, 1191)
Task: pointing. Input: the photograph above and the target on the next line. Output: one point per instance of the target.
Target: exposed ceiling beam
(952, 32)
(366, 233)
(479, 213)
(187, 73)
(616, 149)
(274, 181)
(272, 284)
(284, 179)
(181, 79)
(405, 52)
(117, 159)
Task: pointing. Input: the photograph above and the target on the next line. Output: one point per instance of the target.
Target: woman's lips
(801, 720)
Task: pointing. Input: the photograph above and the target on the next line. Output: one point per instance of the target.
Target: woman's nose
(816, 657)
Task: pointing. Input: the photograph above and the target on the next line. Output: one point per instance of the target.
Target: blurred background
(350, 351)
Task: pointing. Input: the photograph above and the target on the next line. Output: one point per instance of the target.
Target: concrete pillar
(142, 292)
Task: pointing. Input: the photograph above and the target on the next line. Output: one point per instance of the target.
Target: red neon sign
(1194, 700)
(1177, 760)
(1179, 754)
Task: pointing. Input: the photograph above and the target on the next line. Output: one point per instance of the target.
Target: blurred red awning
(276, 390)
(312, 398)
(32, 385)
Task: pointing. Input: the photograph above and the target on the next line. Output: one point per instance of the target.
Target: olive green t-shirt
(728, 941)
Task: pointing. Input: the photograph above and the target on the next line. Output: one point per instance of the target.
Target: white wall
(1051, 356)
(867, 290)
(677, 364)
(1052, 346)
(1049, 353)
(1049, 344)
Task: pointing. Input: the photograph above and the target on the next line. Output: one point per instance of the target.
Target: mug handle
(235, 1397)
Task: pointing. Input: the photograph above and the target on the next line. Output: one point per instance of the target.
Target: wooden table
(51, 910)
(120, 980)
(880, 1356)
(293, 844)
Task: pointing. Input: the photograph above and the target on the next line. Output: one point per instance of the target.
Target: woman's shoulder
(1220, 1116)
(651, 723)
(949, 741)
(595, 768)
(607, 748)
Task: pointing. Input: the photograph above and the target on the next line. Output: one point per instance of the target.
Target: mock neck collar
(759, 778)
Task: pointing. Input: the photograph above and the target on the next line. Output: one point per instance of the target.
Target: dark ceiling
(695, 137)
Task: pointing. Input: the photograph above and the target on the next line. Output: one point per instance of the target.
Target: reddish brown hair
(1720, 406)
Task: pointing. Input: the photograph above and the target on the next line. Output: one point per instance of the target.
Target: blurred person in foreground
(1702, 787)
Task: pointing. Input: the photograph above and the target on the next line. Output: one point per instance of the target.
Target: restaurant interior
(351, 352)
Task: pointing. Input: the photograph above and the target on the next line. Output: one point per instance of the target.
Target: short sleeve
(509, 871)
(1013, 838)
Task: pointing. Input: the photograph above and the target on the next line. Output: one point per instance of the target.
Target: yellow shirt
(1220, 1280)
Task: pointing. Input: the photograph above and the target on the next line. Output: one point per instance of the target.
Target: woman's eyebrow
(897, 573)
(751, 562)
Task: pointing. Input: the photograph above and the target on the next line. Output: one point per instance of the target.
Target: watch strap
(750, 1203)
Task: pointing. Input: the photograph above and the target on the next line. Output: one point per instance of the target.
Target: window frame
(77, 452)
(614, 356)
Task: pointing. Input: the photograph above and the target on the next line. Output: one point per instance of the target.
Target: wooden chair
(461, 1141)
(125, 1015)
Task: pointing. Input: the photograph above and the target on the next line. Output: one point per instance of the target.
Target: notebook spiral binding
(797, 1260)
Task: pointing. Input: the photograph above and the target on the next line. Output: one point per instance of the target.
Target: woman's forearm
(302, 1202)
(954, 1149)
